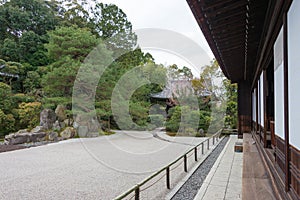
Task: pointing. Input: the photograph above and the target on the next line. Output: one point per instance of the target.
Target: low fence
(137, 188)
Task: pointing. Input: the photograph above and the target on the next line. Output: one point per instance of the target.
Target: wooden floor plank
(256, 182)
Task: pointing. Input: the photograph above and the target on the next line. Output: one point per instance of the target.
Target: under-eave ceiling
(233, 30)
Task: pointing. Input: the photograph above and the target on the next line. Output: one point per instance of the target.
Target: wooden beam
(232, 39)
(228, 35)
(222, 15)
(230, 45)
(223, 28)
(216, 4)
(227, 15)
(233, 48)
(196, 7)
(229, 5)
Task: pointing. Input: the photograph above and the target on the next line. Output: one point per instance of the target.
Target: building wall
(293, 25)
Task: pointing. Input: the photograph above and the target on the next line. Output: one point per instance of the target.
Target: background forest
(44, 43)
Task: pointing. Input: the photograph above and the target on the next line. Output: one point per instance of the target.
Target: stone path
(225, 178)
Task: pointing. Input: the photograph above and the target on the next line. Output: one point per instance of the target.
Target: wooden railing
(136, 189)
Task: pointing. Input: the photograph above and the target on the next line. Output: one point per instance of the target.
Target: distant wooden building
(179, 88)
(257, 45)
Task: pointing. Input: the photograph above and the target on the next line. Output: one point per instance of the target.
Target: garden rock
(56, 126)
(69, 122)
(16, 138)
(47, 118)
(60, 113)
(69, 132)
(62, 124)
(82, 131)
(24, 136)
(37, 137)
(38, 129)
(53, 136)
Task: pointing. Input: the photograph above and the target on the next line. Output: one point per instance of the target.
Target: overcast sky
(173, 15)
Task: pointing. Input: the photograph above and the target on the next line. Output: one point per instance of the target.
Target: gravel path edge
(179, 185)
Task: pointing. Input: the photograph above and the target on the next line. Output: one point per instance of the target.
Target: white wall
(261, 99)
(254, 105)
(294, 73)
(279, 86)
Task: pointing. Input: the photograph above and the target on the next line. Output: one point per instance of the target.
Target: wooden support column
(264, 93)
(257, 128)
(286, 105)
(244, 108)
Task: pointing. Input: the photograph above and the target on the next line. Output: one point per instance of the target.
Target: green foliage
(231, 118)
(177, 73)
(205, 120)
(9, 50)
(111, 22)
(31, 49)
(139, 113)
(19, 98)
(53, 102)
(32, 81)
(46, 42)
(76, 43)
(157, 120)
(16, 69)
(23, 28)
(173, 123)
(29, 114)
(64, 77)
(7, 123)
(5, 97)
(187, 121)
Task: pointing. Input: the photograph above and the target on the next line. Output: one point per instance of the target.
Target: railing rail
(136, 188)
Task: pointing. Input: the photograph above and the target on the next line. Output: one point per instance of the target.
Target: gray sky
(173, 15)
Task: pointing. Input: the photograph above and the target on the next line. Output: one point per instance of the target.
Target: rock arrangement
(54, 126)
(37, 134)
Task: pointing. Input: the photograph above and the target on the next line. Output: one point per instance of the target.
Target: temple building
(257, 45)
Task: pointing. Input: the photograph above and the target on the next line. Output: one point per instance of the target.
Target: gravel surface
(189, 190)
(88, 168)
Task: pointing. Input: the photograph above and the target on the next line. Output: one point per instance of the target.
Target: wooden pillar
(286, 105)
(244, 108)
(257, 128)
(264, 93)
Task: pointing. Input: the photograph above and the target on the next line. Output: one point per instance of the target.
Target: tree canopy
(45, 44)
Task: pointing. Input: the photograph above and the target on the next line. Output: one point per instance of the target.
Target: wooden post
(137, 193)
(208, 144)
(213, 140)
(196, 159)
(202, 147)
(168, 177)
(185, 162)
